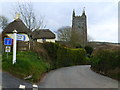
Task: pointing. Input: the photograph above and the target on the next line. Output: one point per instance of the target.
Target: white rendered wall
(47, 40)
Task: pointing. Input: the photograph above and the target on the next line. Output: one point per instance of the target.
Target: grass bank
(28, 63)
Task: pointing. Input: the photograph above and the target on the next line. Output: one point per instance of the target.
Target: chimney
(17, 16)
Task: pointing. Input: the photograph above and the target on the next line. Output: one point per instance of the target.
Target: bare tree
(29, 17)
(75, 38)
(72, 38)
(64, 33)
(31, 20)
(3, 21)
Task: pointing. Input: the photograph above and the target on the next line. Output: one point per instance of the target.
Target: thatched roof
(16, 25)
(43, 33)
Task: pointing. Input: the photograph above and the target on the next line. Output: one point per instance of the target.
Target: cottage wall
(47, 40)
(50, 40)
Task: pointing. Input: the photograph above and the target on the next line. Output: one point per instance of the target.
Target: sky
(102, 17)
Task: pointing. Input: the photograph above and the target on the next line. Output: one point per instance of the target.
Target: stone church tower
(79, 24)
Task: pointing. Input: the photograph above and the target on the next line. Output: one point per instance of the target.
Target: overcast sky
(102, 17)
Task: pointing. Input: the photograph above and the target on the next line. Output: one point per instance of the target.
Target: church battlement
(77, 16)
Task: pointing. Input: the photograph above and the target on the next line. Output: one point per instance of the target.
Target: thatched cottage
(43, 35)
(16, 25)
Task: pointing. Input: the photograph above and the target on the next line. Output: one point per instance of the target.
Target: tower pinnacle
(83, 11)
(73, 13)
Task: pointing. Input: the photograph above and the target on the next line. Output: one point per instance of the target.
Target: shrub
(106, 61)
(77, 45)
(62, 57)
(89, 50)
(39, 49)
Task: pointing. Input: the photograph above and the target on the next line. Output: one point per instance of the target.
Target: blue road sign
(7, 41)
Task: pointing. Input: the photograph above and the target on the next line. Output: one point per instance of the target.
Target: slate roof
(43, 33)
(16, 25)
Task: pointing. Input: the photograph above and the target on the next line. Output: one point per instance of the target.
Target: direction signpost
(8, 41)
(18, 37)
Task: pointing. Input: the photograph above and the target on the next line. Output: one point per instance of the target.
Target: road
(9, 81)
(77, 77)
(68, 77)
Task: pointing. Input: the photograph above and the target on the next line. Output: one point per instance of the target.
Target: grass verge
(28, 63)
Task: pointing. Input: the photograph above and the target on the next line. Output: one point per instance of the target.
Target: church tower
(79, 24)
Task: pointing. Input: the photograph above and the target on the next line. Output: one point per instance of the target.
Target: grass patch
(28, 63)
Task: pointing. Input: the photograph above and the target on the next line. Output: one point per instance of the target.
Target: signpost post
(19, 37)
(14, 46)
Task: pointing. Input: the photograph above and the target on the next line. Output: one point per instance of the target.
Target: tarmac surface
(68, 77)
(77, 77)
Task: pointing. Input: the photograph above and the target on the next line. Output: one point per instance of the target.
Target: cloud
(105, 31)
(101, 16)
(60, 0)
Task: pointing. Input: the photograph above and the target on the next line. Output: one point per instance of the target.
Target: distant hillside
(96, 44)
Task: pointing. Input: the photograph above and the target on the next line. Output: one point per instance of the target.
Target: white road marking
(22, 86)
(35, 86)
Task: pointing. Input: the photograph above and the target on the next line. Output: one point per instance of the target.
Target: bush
(39, 49)
(89, 50)
(62, 57)
(106, 61)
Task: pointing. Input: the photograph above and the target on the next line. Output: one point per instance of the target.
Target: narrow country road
(68, 77)
(77, 77)
(9, 81)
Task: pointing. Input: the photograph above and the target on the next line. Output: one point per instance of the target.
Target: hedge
(89, 50)
(107, 62)
(62, 57)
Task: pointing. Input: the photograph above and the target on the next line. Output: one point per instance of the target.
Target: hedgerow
(62, 56)
(107, 62)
